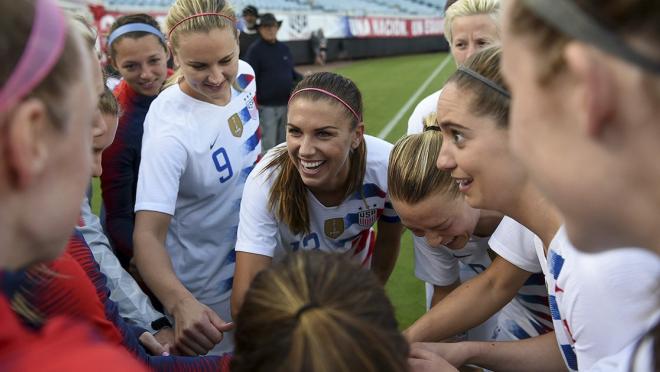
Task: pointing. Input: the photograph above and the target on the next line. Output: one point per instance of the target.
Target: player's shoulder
(424, 109)
(171, 105)
(244, 68)
(378, 157)
(377, 149)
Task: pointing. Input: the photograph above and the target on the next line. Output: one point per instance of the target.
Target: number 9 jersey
(196, 157)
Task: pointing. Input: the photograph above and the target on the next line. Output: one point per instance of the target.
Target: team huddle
(529, 182)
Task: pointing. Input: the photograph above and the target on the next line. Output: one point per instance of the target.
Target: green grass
(386, 85)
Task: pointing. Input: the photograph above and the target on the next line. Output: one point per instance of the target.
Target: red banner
(363, 27)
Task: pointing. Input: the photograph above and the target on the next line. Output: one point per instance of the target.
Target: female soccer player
(316, 311)
(201, 140)
(324, 190)
(46, 109)
(616, 284)
(470, 25)
(451, 246)
(138, 50)
(606, 123)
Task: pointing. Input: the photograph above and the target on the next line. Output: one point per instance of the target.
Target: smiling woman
(451, 247)
(324, 190)
(201, 140)
(138, 51)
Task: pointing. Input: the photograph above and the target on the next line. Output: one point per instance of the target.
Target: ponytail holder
(232, 20)
(42, 51)
(308, 306)
(359, 119)
(432, 128)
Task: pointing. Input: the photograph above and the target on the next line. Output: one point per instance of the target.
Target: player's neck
(487, 223)
(535, 212)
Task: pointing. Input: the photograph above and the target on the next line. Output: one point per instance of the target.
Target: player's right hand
(197, 328)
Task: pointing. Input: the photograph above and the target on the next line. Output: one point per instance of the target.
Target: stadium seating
(350, 7)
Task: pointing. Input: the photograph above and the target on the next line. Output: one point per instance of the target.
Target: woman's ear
(170, 53)
(594, 79)
(28, 133)
(358, 136)
(111, 61)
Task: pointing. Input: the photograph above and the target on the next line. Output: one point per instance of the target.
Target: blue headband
(135, 27)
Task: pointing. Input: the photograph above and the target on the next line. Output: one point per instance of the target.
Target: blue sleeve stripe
(252, 142)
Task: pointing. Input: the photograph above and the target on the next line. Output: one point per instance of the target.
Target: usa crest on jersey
(367, 217)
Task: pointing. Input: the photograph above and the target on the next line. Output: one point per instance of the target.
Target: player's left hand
(153, 345)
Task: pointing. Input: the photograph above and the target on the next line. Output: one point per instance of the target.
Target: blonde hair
(486, 101)
(288, 195)
(412, 175)
(464, 8)
(85, 30)
(177, 24)
(319, 312)
(108, 104)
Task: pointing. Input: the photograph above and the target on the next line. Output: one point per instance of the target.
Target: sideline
(395, 120)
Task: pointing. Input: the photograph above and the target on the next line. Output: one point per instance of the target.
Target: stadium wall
(348, 37)
(354, 48)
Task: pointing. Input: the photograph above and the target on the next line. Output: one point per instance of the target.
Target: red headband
(359, 119)
(41, 53)
(169, 34)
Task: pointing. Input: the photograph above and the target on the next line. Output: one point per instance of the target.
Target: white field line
(395, 120)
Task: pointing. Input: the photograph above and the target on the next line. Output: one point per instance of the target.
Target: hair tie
(232, 20)
(572, 21)
(308, 306)
(359, 119)
(135, 27)
(491, 84)
(41, 53)
(432, 128)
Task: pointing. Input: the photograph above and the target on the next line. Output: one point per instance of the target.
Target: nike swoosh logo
(214, 141)
(467, 255)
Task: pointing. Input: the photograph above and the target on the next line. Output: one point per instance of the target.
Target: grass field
(387, 85)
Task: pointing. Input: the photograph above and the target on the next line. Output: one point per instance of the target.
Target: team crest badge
(334, 227)
(235, 125)
(367, 217)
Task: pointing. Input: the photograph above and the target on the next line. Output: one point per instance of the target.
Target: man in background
(248, 27)
(276, 76)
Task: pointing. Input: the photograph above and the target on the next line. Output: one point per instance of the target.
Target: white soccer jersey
(600, 303)
(196, 157)
(425, 109)
(442, 266)
(528, 314)
(346, 228)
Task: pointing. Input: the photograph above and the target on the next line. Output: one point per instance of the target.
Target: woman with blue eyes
(324, 189)
(201, 140)
(138, 50)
